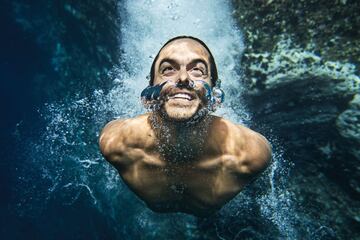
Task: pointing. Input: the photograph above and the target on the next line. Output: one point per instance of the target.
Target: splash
(66, 157)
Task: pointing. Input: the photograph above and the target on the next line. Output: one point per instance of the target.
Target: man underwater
(178, 157)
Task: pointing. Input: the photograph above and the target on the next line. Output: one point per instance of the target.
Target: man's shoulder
(227, 137)
(241, 131)
(231, 130)
(122, 133)
(253, 149)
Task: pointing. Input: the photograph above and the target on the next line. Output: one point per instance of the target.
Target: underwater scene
(289, 70)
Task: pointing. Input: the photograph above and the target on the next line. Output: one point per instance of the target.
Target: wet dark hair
(213, 72)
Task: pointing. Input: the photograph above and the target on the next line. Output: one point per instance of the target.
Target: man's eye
(168, 70)
(197, 72)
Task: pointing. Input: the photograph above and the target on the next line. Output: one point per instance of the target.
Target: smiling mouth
(184, 96)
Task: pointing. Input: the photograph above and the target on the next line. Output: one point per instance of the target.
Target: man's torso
(169, 181)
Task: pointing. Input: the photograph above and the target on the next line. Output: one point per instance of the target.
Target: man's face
(180, 62)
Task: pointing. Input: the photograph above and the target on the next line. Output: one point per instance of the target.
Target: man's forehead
(186, 45)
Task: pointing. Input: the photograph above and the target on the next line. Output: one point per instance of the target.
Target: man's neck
(179, 141)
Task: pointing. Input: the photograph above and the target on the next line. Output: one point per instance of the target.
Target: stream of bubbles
(67, 160)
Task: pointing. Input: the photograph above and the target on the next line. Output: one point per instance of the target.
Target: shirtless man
(179, 158)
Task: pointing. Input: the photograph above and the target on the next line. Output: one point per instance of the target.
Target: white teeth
(181, 95)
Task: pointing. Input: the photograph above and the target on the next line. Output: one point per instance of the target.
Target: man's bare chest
(181, 186)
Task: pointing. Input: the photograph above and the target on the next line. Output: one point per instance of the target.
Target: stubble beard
(180, 113)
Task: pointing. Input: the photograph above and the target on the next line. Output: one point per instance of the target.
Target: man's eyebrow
(169, 60)
(173, 62)
(199, 60)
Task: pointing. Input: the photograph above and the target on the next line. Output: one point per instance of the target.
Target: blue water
(61, 187)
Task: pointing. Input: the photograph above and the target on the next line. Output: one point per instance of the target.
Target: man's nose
(183, 79)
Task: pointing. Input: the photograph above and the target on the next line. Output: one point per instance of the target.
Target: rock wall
(301, 70)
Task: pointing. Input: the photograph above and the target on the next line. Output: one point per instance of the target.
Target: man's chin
(179, 114)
